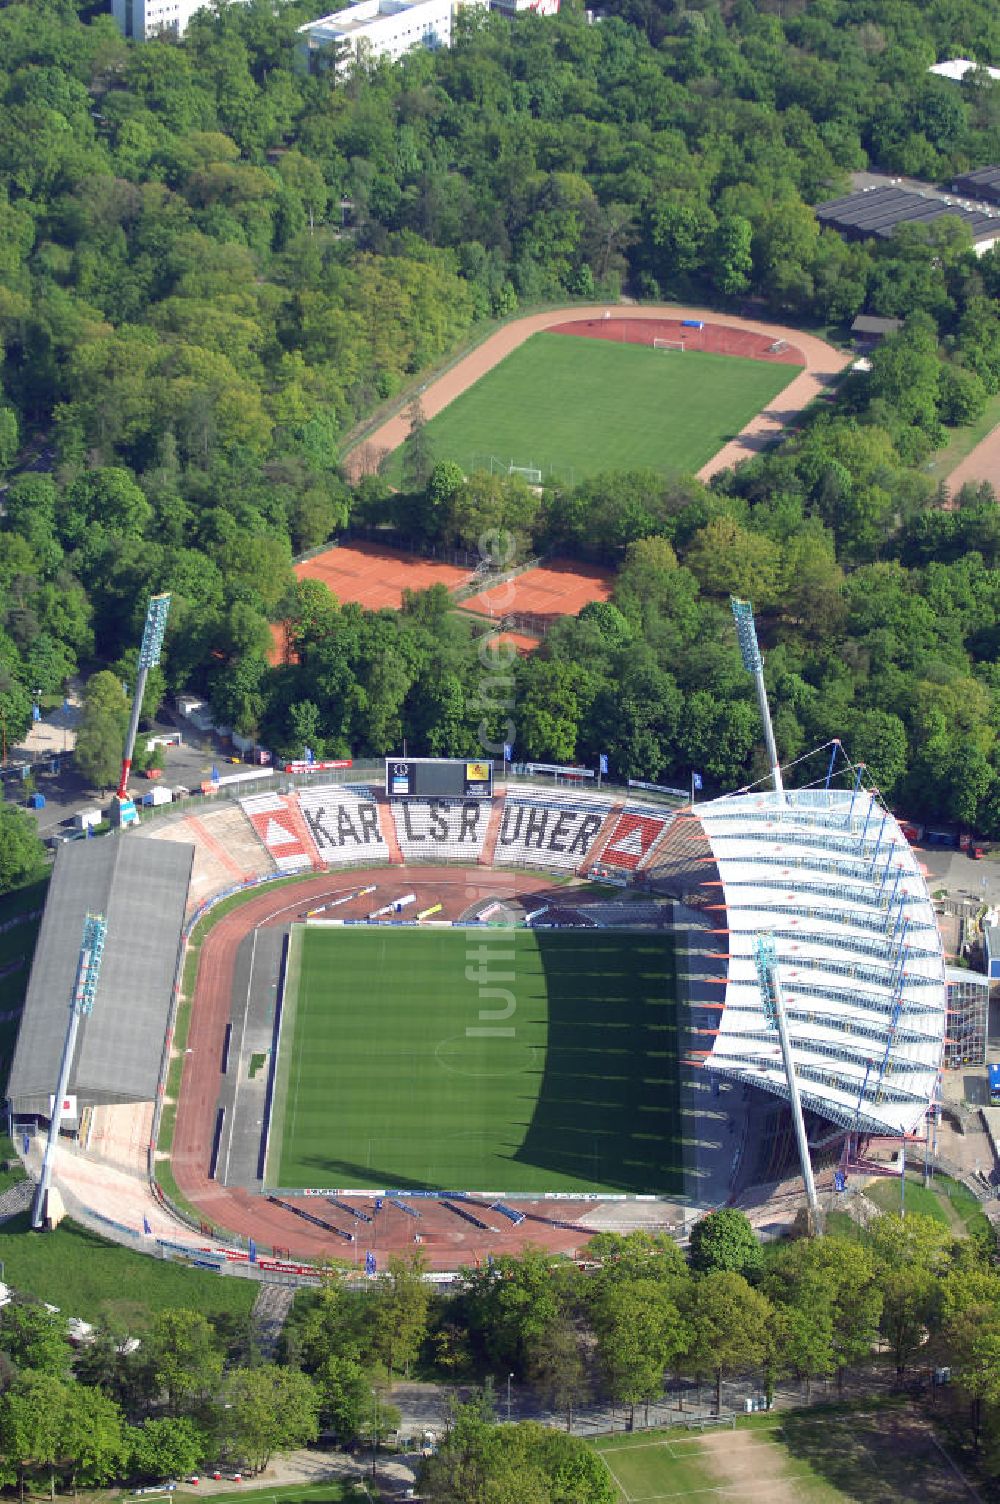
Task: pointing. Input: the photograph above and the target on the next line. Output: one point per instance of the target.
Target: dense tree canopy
(212, 265)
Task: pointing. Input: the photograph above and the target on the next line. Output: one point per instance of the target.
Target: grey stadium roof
(877, 212)
(141, 887)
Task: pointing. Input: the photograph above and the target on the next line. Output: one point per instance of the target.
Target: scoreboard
(438, 778)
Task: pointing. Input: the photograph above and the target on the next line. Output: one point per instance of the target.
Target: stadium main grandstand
(830, 877)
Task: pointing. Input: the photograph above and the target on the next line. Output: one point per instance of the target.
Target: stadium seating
(275, 819)
(633, 836)
(467, 1216)
(343, 822)
(352, 1211)
(441, 830)
(548, 831)
(311, 1217)
(510, 1212)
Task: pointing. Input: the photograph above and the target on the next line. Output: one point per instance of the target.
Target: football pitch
(512, 1061)
(879, 1456)
(572, 407)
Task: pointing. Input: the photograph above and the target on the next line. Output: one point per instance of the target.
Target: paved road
(960, 875)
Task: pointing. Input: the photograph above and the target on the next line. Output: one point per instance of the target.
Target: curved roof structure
(830, 877)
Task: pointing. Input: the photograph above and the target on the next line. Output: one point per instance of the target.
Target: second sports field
(402, 1066)
(574, 407)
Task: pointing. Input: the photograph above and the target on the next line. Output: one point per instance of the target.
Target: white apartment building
(143, 19)
(376, 28)
(388, 28)
(955, 69)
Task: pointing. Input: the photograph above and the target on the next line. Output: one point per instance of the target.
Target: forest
(145, 1397)
(214, 266)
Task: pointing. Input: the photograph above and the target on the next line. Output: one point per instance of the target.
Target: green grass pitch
(572, 407)
(390, 1075)
(884, 1455)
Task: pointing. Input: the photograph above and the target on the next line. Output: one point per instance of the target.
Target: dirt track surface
(982, 464)
(446, 1241)
(822, 365)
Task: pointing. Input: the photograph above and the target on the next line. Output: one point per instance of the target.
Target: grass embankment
(945, 1199)
(86, 1276)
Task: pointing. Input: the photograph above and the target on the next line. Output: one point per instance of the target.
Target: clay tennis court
(553, 590)
(371, 575)
(375, 576)
(822, 364)
(522, 642)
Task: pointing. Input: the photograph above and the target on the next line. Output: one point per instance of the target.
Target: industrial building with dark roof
(982, 183)
(141, 888)
(876, 213)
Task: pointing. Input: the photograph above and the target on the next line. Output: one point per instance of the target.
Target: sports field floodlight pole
(149, 656)
(746, 633)
(766, 961)
(88, 967)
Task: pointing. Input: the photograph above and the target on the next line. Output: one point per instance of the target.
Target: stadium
(339, 1010)
(343, 1013)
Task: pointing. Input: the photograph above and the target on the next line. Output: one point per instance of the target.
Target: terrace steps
(603, 835)
(492, 832)
(387, 826)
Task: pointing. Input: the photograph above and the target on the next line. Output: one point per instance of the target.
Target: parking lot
(65, 791)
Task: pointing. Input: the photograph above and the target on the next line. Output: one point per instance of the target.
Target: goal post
(527, 472)
(669, 344)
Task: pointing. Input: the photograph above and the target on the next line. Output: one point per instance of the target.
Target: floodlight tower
(95, 929)
(766, 961)
(746, 633)
(149, 656)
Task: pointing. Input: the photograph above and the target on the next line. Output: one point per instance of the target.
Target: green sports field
(571, 407)
(884, 1455)
(399, 1068)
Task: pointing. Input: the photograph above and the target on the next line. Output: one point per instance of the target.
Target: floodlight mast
(746, 633)
(95, 929)
(149, 656)
(766, 961)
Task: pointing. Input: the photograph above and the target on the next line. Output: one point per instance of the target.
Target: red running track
(714, 339)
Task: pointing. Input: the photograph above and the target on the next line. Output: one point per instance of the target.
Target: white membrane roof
(830, 877)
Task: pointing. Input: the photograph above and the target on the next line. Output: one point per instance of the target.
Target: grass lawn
(85, 1276)
(963, 441)
(945, 1199)
(396, 1068)
(885, 1193)
(572, 407)
(823, 1456)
